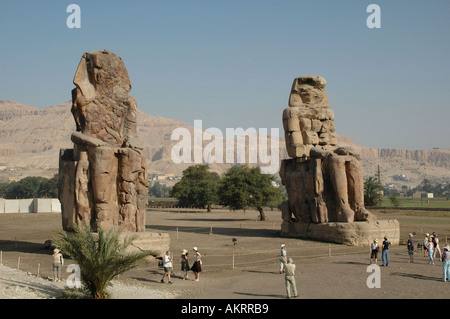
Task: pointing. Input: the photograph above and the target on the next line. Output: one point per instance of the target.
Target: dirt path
(324, 271)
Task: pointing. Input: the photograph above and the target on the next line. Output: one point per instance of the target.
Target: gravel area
(16, 284)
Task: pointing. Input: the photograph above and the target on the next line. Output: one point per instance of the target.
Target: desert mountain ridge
(31, 137)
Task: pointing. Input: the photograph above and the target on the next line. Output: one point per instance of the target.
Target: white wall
(12, 206)
(26, 205)
(30, 205)
(56, 206)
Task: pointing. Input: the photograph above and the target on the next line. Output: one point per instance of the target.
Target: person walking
(430, 249)
(197, 265)
(436, 246)
(167, 264)
(446, 263)
(283, 257)
(385, 251)
(289, 278)
(410, 245)
(58, 262)
(185, 263)
(425, 245)
(374, 251)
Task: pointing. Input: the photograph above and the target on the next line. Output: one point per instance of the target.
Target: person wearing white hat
(197, 265)
(446, 263)
(58, 262)
(283, 258)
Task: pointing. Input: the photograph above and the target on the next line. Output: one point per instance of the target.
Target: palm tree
(101, 256)
(373, 192)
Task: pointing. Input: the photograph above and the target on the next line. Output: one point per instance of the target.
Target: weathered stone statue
(324, 182)
(103, 179)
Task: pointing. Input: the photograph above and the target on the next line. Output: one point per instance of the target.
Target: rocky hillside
(433, 157)
(30, 140)
(415, 165)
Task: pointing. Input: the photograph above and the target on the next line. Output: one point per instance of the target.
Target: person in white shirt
(283, 257)
(197, 265)
(58, 262)
(374, 251)
(167, 264)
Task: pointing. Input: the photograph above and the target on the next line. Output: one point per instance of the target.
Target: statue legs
(338, 177)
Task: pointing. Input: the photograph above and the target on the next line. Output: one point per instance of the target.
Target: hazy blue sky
(231, 63)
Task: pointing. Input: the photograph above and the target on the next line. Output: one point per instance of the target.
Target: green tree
(30, 187)
(100, 257)
(243, 187)
(159, 190)
(394, 199)
(4, 189)
(48, 188)
(373, 192)
(25, 188)
(198, 187)
(426, 186)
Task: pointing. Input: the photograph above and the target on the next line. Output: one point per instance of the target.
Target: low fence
(238, 256)
(438, 209)
(257, 259)
(30, 205)
(229, 259)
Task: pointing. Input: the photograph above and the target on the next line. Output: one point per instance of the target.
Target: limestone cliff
(30, 138)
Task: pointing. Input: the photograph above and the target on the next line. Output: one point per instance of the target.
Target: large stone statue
(103, 179)
(324, 182)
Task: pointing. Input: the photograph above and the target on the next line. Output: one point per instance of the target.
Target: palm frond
(101, 256)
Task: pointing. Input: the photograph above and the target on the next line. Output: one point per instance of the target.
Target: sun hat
(283, 245)
(195, 248)
(410, 235)
(56, 250)
(184, 252)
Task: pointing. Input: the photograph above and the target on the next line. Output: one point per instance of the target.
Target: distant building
(400, 177)
(169, 176)
(417, 195)
(423, 195)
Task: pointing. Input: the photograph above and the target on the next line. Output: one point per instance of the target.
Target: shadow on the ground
(259, 295)
(243, 232)
(416, 276)
(24, 247)
(350, 263)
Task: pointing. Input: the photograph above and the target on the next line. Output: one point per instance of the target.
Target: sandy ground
(324, 271)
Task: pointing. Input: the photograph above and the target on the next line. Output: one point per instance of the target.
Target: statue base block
(157, 242)
(353, 234)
